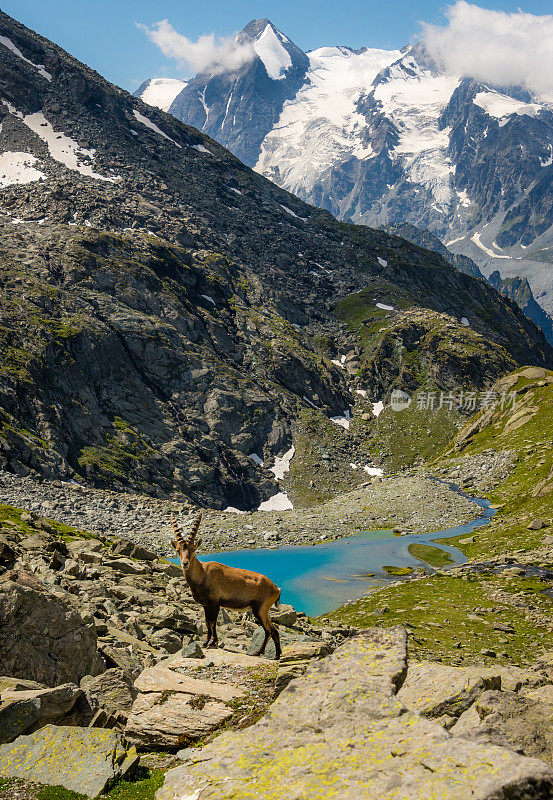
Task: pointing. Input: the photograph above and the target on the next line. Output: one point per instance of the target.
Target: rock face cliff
(165, 311)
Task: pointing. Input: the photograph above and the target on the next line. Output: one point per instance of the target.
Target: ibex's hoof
(213, 645)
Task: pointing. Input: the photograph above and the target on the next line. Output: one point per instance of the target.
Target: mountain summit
(242, 107)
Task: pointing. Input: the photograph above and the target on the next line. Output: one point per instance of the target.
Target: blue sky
(104, 35)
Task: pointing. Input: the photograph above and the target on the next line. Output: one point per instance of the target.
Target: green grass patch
(439, 612)
(399, 571)
(431, 555)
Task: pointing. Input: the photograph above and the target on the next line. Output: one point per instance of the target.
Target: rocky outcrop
(343, 726)
(84, 760)
(512, 720)
(42, 637)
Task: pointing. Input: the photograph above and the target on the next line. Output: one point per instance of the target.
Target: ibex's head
(186, 548)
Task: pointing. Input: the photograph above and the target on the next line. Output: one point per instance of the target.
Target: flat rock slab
(219, 658)
(162, 679)
(436, 689)
(340, 733)
(54, 704)
(85, 760)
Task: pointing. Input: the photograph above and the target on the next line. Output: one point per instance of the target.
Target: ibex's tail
(277, 601)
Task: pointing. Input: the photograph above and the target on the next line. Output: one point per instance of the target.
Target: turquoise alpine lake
(319, 578)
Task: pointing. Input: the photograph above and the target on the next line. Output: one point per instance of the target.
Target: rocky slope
(517, 288)
(385, 136)
(167, 313)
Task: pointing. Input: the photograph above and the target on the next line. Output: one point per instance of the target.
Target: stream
(317, 579)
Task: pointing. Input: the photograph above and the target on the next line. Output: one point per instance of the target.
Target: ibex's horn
(178, 534)
(195, 527)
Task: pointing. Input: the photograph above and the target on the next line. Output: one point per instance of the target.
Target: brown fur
(215, 585)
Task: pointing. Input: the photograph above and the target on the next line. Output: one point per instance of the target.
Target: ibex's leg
(211, 614)
(261, 613)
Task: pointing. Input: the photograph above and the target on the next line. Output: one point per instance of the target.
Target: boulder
(543, 693)
(162, 679)
(113, 691)
(510, 720)
(84, 760)
(166, 616)
(9, 684)
(54, 704)
(42, 638)
(16, 717)
(284, 615)
(166, 639)
(436, 689)
(340, 731)
(175, 708)
(192, 650)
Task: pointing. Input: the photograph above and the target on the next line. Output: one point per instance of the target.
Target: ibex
(214, 585)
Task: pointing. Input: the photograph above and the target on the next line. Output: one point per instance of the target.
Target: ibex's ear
(198, 544)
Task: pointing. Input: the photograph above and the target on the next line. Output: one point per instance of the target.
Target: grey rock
(511, 720)
(192, 650)
(17, 716)
(84, 760)
(42, 638)
(436, 689)
(113, 690)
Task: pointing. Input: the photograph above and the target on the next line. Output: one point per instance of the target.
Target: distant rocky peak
(275, 50)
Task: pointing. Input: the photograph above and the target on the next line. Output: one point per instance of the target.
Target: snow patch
(208, 298)
(202, 149)
(464, 321)
(464, 200)
(236, 191)
(382, 261)
(61, 147)
(152, 126)
(39, 67)
(292, 213)
(378, 408)
(282, 464)
(18, 168)
(233, 510)
(362, 392)
(501, 106)
(384, 307)
(374, 471)
(160, 92)
(478, 243)
(256, 459)
(278, 502)
(342, 420)
(276, 59)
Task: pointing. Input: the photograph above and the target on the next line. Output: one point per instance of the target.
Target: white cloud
(207, 54)
(506, 49)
